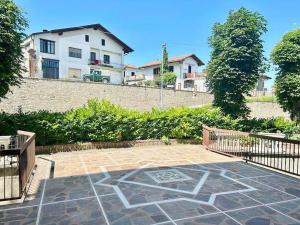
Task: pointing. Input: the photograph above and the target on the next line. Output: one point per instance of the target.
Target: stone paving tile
(216, 183)
(60, 189)
(189, 184)
(137, 194)
(265, 194)
(119, 215)
(243, 169)
(183, 209)
(261, 215)
(101, 189)
(19, 216)
(85, 211)
(291, 208)
(216, 219)
(233, 201)
(287, 185)
(225, 175)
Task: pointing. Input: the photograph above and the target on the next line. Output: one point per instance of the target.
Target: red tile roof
(131, 66)
(97, 26)
(175, 59)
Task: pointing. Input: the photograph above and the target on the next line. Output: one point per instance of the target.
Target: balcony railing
(192, 75)
(271, 151)
(17, 160)
(98, 62)
(138, 77)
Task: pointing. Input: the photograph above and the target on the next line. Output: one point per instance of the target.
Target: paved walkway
(181, 184)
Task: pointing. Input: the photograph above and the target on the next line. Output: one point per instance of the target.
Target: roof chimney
(45, 30)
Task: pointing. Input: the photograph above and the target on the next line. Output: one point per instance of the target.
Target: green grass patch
(261, 99)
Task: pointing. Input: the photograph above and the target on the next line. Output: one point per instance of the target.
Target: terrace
(158, 184)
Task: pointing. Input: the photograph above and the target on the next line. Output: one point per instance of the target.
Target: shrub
(104, 121)
(165, 140)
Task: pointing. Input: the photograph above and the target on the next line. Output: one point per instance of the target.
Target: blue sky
(144, 25)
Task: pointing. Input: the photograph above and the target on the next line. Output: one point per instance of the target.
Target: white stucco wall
(76, 39)
(180, 68)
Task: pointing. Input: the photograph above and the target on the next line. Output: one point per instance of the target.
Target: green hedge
(104, 121)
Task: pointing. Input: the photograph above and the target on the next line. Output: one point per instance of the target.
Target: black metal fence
(275, 152)
(17, 160)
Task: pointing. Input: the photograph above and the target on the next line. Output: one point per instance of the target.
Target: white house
(133, 75)
(187, 69)
(68, 53)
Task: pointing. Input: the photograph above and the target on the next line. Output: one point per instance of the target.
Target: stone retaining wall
(266, 110)
(60, 95)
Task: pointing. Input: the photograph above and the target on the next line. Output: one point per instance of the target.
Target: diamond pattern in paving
(150, 189)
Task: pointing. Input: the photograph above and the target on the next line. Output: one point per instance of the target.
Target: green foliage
(165, 140)
(104, 121)
(296, 137)
(149, 83)
(236, 60)
(183, 131)
(12, 26)
(164, 63)
(286, 55)
(169, 78)
(261, 99)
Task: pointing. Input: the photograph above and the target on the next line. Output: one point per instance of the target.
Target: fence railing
(17, 160)
(275, 152)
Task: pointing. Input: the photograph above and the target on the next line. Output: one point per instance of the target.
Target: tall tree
(236, 60)
(164, 63)
(286, 55)
(12, 26)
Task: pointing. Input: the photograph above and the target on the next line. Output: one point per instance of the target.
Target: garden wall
(60, 95)
(266, 110)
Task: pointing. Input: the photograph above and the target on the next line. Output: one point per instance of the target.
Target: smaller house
(187, 69)
(133, 75)
(261, 82)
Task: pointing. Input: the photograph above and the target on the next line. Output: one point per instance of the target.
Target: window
(47, 46)
(171, 68)
(189, 69)
(93, 56)
(103, 42)
(87, 38)
(156, 71)
(132, 73)
(189, 84)
(50, 68)
(106, 59)
(75, 52)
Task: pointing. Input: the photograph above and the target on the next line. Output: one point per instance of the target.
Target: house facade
(187, 69)
(69, 53)
(133, 75)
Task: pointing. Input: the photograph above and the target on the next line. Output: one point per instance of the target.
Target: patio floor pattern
(182, 184)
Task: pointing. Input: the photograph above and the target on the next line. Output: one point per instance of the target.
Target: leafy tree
(12, 25)
(168, 78)
(286, 55)
(164, 63)
(236, 60)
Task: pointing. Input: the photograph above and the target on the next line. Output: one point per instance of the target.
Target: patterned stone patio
(181, 184)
